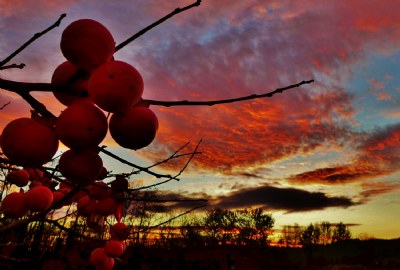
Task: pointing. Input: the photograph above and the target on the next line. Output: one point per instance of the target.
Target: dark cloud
(165, 201)
(268, 197)
(288, 199)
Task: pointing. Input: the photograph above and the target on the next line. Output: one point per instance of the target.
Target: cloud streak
(267, 197)
(378, 155)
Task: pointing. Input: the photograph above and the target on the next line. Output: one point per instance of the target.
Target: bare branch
(37, 106)
(20, 66)
(172, 177)
(24, 87)
(140, 168)
(5, 105)
(189, 160)
(175, 217)
(175, 155)
(223, 101)
(32, 39)
(166, 200)
(156, 23)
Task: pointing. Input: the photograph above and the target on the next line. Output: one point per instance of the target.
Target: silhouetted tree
(341, 232)
(326, 232)
(291, 234)
(219, 224)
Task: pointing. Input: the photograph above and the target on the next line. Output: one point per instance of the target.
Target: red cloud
(376, 85)
(225, 49)
(378, 155)
(248, 54)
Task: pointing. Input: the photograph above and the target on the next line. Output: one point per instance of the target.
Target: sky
(326, 151)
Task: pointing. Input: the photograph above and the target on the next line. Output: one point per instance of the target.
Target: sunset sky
(326, 151)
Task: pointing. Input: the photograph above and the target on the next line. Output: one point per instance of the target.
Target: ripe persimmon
(13, 205)
(73, 88)
(101, 260)
(134, 128)
(106, 207)
(25, 141)
(81, 125)
(19, 178)
(39, 199)
(98, 190)
(87, 44)
(115, 86)
(119, 231)
(86, 206)
(114, 248)
(80, 167)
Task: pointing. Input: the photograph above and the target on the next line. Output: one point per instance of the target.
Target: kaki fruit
(35, 174)
(57, 197)
(98, 190)
(114, 248)
(38, 199)
(106, 207)
(28, 142)
(120, 184)
(101, 260)
(87, 44)
(103, 174)
(86, 206)
(119, 231)
(81, 125)
(73, 82)
(80, 167)
(13, 205)
(115, 86)
(19, 178)
(134, 128)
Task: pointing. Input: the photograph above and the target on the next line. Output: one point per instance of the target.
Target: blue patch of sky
(371, 111)
(211, 33)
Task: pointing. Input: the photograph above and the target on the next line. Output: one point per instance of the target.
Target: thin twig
(31, 40)
(158, 22)
(189, 160)
(223, 101)
(175, 155)
(140, 168)
(20, 66)
(172, 177)
(5, 105)
(166, 200)
(175, 217)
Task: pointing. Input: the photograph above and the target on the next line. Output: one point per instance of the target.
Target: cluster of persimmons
(91, 84)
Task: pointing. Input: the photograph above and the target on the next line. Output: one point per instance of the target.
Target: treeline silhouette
(219, 239)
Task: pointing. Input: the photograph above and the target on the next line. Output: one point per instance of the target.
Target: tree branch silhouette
(156, 23)
(224, 101)
(20, 66)
(5, 105)
(31, 40)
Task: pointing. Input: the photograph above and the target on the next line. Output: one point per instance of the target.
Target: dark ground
(346, 255)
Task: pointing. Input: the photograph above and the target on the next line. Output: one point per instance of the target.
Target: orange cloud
(250, 133)
(378, 154)
(249, 54)
(372, 189)
(376, 85)
(220, 50)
